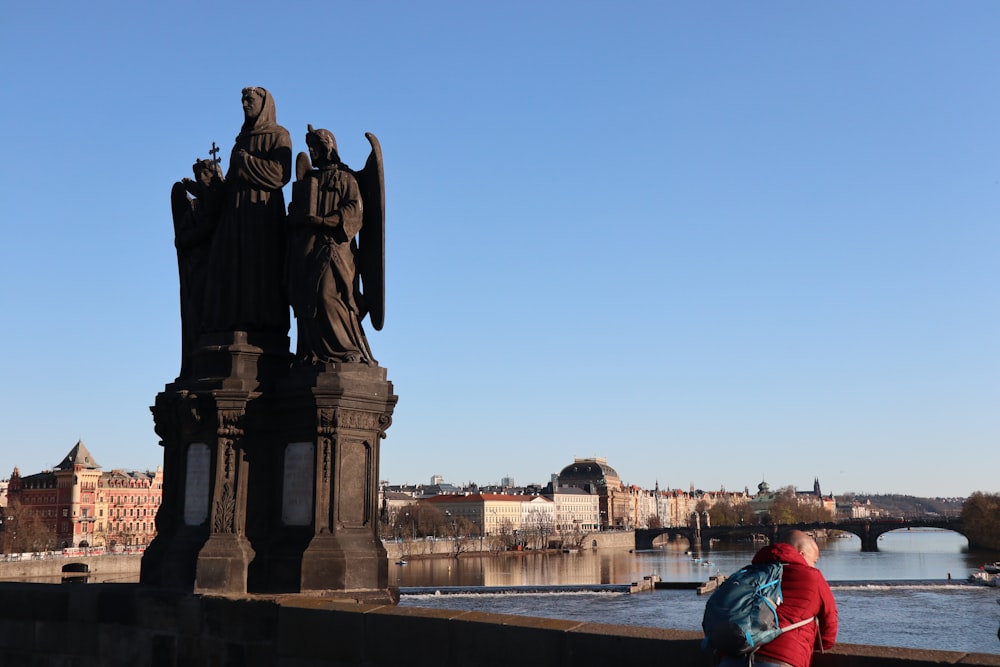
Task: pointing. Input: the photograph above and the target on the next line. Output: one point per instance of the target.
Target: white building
(576, 509)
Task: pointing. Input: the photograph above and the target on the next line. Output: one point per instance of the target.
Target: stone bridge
(868, 530)
(108, 567)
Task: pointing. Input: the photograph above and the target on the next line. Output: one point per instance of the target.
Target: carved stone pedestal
(321, 532)
(207, 424)
(271, 476)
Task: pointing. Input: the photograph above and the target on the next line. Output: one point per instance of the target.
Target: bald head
(804, 544)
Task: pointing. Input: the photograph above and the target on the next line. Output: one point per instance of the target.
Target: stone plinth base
(238, 361)
(344, 562)
(222, 565)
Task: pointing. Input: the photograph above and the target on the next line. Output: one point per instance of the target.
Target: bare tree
(536, 529)
(25, 530)
(462, 534)
(503, 539)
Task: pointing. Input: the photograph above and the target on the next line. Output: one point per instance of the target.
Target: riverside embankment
(406, 549)
(125, 567)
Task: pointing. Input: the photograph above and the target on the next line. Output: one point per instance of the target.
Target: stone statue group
(243, 260)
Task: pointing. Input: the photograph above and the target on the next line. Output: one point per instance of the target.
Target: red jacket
(805, 593)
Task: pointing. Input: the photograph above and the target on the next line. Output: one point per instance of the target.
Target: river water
(900, 596)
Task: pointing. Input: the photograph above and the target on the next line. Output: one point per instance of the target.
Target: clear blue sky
(712, 242)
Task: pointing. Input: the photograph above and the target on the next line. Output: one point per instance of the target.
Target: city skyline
(741, 240)
(513, 482)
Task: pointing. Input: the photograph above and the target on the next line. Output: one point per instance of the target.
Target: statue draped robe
(322, 269)
(246, 290)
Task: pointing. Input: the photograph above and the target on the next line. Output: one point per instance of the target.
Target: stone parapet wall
(101, 625)
(610, 539)
(418, 548)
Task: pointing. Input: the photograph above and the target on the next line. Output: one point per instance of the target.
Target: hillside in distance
(897, 505)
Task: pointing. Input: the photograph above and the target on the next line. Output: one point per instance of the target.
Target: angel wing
(303, 188)
(302, 166)
(371, 240)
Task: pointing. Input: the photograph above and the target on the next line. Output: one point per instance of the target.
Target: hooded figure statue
(245, 289)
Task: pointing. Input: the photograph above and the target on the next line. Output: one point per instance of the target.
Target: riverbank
(447, 547)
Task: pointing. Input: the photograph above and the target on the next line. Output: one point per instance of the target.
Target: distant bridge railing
(868, 530)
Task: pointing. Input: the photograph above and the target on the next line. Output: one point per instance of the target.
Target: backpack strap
(794, 626)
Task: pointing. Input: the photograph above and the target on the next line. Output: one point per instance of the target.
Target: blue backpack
(742, 613)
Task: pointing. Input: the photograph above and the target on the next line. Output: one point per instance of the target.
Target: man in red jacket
(805, 594)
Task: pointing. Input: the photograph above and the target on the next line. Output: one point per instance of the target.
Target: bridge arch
(76, 568)
(870, 530)
(867, 530)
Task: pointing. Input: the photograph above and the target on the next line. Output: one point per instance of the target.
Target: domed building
(594, 475)
(588, 471)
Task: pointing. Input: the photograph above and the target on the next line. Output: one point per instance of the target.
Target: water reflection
(523, 569)
(618, 566)
(926, 554)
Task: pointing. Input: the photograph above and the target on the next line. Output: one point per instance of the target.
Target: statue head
(253, 101)
(322, 146)
(206, 171)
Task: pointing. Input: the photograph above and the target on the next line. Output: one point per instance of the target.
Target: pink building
(77, 505)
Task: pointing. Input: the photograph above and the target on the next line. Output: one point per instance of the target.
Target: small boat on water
(992, 568)
(984, 578)
(400, 562)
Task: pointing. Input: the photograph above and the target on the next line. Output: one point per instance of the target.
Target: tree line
(981, 518)
(786, 508)
(418, 521)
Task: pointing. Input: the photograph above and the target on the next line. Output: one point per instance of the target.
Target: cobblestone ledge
(99, 625)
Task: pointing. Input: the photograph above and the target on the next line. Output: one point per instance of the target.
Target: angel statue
(336, 252)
